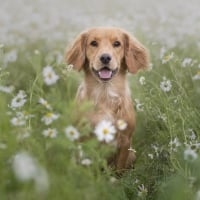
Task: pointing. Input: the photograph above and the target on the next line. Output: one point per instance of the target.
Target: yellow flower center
(105, 131)
(50, 132)
(49, 115)
(49, 75)
(166, 58)
(198, 73)
(71, 133)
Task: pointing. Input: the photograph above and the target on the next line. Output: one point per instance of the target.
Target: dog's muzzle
(105, 73)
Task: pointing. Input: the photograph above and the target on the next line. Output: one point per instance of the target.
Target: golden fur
(111, 97)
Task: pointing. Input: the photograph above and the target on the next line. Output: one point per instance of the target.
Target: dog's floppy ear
(75, 54)
(136, 55)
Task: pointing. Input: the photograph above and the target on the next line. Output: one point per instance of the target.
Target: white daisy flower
(156, 149)
(36, 52)
(24, 135)
(45, 103)
(139, 106)
(49, 117)
(50, 132)
(174, 144)
(197, 76)
(113, 179)
(142, 80)
(167, 58)
(17, 121)
(162, 52)
(192, 135)
(150, 66)
(131, 149)
(105, 131)
(72, 133)
(142, 191)
(194, 145)
(150, 155)
(24, 166)
(121, 124)
(186, 62)
(20, 118)
(190, 154)
(19, 100)
(7, 89)
(165, 85)
(163, 117)
(86, 162)
(49, 75)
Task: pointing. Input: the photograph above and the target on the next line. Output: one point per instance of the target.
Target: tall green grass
(163, 169)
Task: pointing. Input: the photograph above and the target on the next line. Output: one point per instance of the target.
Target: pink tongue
(104, 73)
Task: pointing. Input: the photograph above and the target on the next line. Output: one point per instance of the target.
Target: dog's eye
(116, 44)
(94, 43)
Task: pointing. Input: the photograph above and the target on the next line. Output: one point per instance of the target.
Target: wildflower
(139, 106)
(186, 62)
(162, 52)
(197, 76)
(86, 162)
(121, 124)
(150, 67)
(174, 144)
(18, 121)
(105, 131)
(192, 135)
(150, 155)
(156, 148)
(49, 117)
(193, 145)
(70, 67)
(19, 100)
(36, 52)
(167, 58)
(80, 151)
(142, 80)
(24, 135)
(26, 168)
(165, 85)
(11, 56)
(45, 103)
(50, 77)
(131, 149)
(6, 89)
(190, 154)
(163, 117)
(1, 46)
(50, 132)
(113, 179)
(142, 191)
(72, 133)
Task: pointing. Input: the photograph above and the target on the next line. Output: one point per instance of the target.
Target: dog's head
(106, 51)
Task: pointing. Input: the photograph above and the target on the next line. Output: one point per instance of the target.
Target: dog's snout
(105, 58)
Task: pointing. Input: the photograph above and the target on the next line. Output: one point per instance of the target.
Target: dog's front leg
(125, 157)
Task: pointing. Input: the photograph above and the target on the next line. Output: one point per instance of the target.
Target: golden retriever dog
(106, 54)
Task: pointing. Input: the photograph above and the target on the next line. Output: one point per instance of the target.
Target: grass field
(39, 159)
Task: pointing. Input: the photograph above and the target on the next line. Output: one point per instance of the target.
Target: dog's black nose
(105, 58)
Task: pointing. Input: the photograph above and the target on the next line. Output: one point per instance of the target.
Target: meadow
(40, 156)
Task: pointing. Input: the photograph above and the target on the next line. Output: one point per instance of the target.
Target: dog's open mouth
(105, 73)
